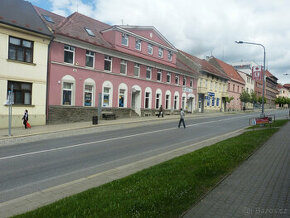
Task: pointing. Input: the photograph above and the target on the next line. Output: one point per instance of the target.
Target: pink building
(128, 70)
(236, 83)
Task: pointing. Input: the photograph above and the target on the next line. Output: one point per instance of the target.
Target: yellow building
(212, 86)
(23, 62)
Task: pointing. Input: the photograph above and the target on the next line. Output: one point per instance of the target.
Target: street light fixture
(263, 72)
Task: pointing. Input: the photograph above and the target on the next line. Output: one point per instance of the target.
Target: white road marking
(112, 139)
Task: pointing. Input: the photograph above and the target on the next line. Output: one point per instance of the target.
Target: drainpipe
(47, 77)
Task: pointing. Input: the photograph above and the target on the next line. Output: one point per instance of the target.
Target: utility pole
(10, 101)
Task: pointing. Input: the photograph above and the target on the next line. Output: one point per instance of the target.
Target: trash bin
(95, 120)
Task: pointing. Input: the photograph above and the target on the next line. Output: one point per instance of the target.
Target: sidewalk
(260, 187)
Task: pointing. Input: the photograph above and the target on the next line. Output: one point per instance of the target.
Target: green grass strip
(165, 190)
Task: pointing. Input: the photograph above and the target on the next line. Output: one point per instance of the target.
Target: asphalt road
(29, 167)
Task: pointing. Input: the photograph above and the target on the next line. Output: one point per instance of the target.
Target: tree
(260, 100)
(254, 98)
(228, 100)
(245, 97)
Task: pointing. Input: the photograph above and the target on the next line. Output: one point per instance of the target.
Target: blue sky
(201, 27)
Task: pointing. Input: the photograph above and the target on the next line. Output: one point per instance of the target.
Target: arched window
(89, 93)
(183, 102)
(148, 98)
(68, 90)
(107, 94)
(123, 93)
(168, 100)
(176, 100)
(158, 99)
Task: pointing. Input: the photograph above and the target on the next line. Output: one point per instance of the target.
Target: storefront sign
(188, 90)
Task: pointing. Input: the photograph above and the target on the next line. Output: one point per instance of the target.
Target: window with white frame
(159, 75)
(183, 102)
(138, 44)
(125, 39)
(176, 102)
(123, 67)
(148, 72)
(90, 58)
(158, 98)
(69, 53)
(184, 81)
(177, 79)
(108, 63)
(137, 70)
(106, 97)
(122, 97)
(150, 49)
(168, 77)
(191, 83)
(88, 95)
(67, 91)
(170, 55)
(147, 99)
(167, 101)
(160, 52)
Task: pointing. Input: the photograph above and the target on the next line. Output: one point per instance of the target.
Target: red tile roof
(228, 69)
(287, 86)
(279, 86)
(205, 66)
(183, 66)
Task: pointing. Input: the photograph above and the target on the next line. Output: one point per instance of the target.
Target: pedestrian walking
(160, 111)
(25, 118)
(181, 118)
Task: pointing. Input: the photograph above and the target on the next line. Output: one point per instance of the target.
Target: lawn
(164, 190)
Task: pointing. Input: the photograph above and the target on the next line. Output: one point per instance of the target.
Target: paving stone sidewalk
(260, 187)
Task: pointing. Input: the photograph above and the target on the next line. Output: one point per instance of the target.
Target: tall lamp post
(263, 72)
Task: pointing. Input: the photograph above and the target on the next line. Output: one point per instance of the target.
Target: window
(108, 63)
(106, 97)
(67, 93)
(48, 18)
(233, 87)
(212, 100)
(177, 79)
(191, 83)
(150, 49)
(168, 78)
(167, 101)
(147, 99)
(121, 97)
(170, 55)
(137, 70)
(90, 32)
(69, 52)
(157, 100)
(148, 72)
(217, 101)
(138, 44)
(238, 89)
(90, 57)
(20, 50)
(123, 67)
(184, 81)
(175, 102)
(159, 75)
(125, 39)
(160, 52)
(21, 92)
(88, 95)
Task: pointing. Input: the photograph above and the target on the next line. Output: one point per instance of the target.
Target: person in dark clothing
(181, 118)
(25, 118)
(160, 111)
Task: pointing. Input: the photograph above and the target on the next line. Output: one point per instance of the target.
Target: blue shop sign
(211, 94)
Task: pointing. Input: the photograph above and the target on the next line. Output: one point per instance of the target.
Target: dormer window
(48, 18)
(90, 32)
(125, 39)
(150, 49)
(138, 44)
(170, 55)
(160, 52)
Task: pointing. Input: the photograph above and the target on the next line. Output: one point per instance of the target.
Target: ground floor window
(106, 97)
(183, 102)
(167, 101)
(157, 100)
(217, 101)
(175, 102)
(212, 101)
(88, 95)
(147, 99)
(67, 93)
(21, 91)
(121, 97)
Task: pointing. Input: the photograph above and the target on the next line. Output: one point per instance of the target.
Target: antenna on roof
(77, 5)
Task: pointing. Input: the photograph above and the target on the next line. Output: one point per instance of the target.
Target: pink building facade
(130, 71)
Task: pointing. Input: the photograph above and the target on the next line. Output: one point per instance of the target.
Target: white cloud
(204, 27)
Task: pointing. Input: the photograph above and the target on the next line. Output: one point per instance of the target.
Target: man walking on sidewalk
(181, 118)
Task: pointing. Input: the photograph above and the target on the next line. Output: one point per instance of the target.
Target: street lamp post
(263, 72)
